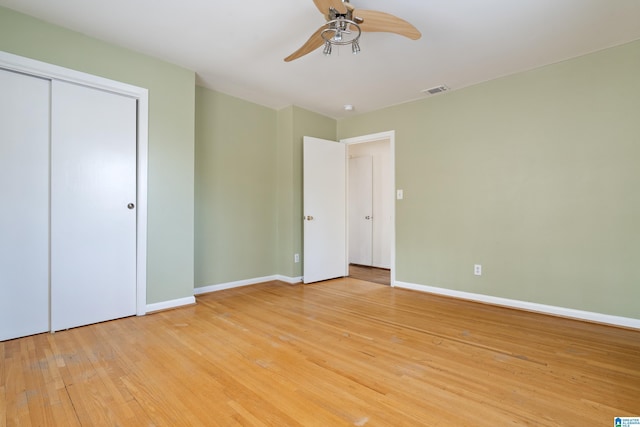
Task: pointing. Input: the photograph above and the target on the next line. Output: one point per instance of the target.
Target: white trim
(141, 212)
(289, 280)
(529, 306)
(391, 136)
(167, 305)
(54, 72)
(247, 282)
(45, 70)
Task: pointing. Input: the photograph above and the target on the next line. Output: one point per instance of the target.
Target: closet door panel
(93, 230)
(361, 210)
(24, 205)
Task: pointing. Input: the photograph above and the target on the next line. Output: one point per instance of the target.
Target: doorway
(371, 207)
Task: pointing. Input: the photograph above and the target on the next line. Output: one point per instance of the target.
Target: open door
(324, 209)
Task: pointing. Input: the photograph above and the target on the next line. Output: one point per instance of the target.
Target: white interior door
(24, 205)
(93, 231)
(361, 210)
(324, 209)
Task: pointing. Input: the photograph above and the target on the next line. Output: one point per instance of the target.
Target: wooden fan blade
(324, 6)
(314, 42)
(375, 21)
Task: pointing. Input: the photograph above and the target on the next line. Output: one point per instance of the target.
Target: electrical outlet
(477, 270)
(399, 194)
(296, 257)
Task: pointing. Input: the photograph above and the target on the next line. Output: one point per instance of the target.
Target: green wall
(535, 176)
(236, 193)
(171, 136)
(285, 182)
(249, 187)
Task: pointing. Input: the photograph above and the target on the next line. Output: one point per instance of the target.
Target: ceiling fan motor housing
(340, 24)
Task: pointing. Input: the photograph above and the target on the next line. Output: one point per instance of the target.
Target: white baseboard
(524, 305)
(166, 305)
(290, 280)
(239, 283)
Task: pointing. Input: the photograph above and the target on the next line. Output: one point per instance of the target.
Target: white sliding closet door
(93, 196)
(24, 205)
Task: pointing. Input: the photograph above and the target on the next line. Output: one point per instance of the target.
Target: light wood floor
(342, 352)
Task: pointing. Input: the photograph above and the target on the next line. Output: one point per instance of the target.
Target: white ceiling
(238, 47)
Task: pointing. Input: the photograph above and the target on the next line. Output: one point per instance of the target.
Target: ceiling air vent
(435, 90)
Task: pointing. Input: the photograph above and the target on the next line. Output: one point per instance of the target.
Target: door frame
(36, 68)
(391, 136)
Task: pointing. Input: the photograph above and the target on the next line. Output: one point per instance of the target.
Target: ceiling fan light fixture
(327, 48)
(355, 47)
(341, 31)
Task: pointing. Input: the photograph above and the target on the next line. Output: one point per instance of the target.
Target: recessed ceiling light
(348, 107)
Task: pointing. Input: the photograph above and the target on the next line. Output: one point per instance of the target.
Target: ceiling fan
(345, 24)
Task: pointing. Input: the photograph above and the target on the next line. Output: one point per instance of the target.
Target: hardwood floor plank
(3, 387)
(341, 352)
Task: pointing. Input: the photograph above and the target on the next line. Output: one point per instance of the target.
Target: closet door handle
(131, 206)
